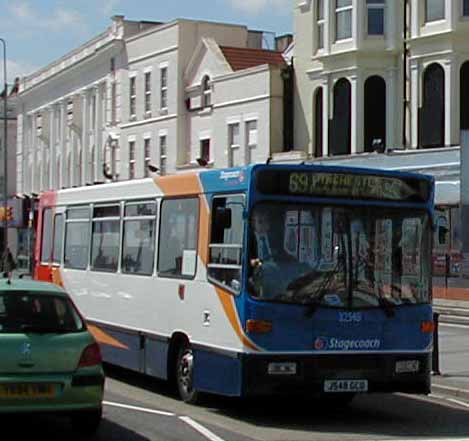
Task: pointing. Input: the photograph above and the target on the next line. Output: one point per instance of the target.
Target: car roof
(31, 286)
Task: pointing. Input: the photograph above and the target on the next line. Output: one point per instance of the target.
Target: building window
(465, 8)
(113, 102)
(163, 88)
(132, 160)
(205, 149)
(434, 10)
(251, 140)
(206, 92)
(133, 97)
(343, 19)
(318, 122)
(147, 156)
(375, 16)
(233, 145)
(163, 152)
(148, 93)
(320, 24)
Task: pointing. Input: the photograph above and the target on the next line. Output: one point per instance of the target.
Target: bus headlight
(278, 368)
(407, 366)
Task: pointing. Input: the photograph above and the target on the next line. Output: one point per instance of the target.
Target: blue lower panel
(130, 357)
(156, 356)
(217, 373)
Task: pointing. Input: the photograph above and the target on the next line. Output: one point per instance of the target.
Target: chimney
(282, 42)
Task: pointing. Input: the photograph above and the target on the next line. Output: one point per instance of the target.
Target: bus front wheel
(184, 374)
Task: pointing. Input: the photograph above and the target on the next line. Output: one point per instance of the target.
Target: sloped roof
(244, 58)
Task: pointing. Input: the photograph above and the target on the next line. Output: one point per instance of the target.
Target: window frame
(125, 218)
(250, 147)
(59, 260)
(434, 20)
(132, 98)
(164, 275)
(241, 247)
(340, 10)
(147, 94)
(146, 156)
(132, 160)
(49, 211)
(232, 146)
(164, 88)
(375, 5)
(93, 220)
(163, 155)
(206, 93)
(83, 220)
(320, 25)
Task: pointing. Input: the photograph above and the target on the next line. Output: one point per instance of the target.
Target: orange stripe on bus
(230, 310)
(104, 338)
(57, 277)
(179, 185)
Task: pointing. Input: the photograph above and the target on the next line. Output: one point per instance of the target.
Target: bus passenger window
(177, 251)
(77, 238)
(138, 250)
(47, 231)
(226, 241)
(58, 240)
(105, 238)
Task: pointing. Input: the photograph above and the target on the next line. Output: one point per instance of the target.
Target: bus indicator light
(258, 326)
(427, 327)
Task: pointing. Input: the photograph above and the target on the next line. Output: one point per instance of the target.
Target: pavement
(452, 376)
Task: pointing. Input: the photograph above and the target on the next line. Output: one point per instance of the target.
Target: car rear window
(42, 312)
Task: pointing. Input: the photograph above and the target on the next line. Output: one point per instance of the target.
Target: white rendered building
(362, 86)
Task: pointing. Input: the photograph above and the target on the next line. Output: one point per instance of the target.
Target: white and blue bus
(260, 280)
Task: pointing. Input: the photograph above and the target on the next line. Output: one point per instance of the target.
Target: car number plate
(27, 390)
(346, 386)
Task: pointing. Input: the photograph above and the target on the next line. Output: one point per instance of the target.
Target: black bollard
(436, 352)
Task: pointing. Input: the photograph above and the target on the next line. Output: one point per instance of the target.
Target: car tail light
(427, 327)
(91, 356)
(258, 326)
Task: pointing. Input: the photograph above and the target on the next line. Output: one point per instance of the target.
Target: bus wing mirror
(223, 217)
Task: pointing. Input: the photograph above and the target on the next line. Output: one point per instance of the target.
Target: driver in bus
(267, 257)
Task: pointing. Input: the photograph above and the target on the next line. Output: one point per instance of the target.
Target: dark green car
(49, 361)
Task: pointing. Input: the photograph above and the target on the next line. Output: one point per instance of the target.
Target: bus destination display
(342, 185)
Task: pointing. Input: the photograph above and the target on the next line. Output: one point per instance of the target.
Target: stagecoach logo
(331, 343)
(229, 175)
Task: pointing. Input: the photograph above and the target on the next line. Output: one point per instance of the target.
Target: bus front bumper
(307, 374)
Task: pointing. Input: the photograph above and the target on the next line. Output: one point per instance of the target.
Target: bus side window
(179, 226)
(58, 239)
(138, 245)
(105, 238)
(226, 241)
(77, 229)
(47, 235)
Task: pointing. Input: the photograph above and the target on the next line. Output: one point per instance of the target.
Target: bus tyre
(184, 374)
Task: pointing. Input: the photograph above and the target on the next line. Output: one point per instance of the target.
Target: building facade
(377, 74)
(145, 97)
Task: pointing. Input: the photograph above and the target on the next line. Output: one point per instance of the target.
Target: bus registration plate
(346, 386)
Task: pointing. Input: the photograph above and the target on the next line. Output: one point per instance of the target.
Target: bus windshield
(343, 257)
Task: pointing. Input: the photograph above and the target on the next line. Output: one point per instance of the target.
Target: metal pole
(436, 346)
(5, 148)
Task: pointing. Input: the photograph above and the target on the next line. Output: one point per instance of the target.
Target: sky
(38, 32)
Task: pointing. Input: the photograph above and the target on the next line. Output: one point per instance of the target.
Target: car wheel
(86, 422)
(184, 374)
